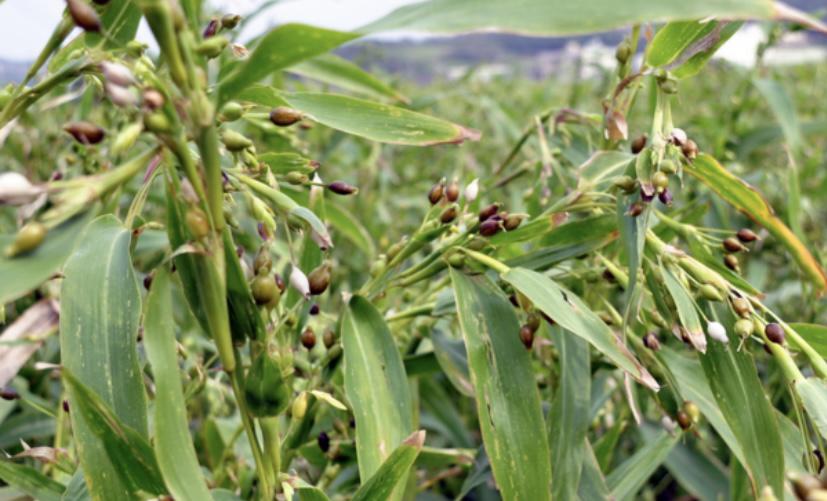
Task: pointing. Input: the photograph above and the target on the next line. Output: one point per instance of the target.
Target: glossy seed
(328, 338)
(436, 192)
(323, 441)
(28, 238)
(741, 306)
(684, 421)
(83, 15)
(319, 279)
(264, 289)
(448, 215)
(488, 211)
(732, 244)
(490, 227)
(635, 209)
(308, 338)
(665, 197)
(284, 116)
(746, 235)
(731, 262)
(342, 188)
(452, 191)
(690, 149)
(85, 132)
(526, 336)
(775, 333)
(639, 143)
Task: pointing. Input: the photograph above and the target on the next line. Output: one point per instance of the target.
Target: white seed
(121, 96)
(15, 189)
(717, 332)
(299, 282)
(472, 190)
(678, 136)
(117, 74)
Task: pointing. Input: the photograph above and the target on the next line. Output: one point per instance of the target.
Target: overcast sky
(25, 25)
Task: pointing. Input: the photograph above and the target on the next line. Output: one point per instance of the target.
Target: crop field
(278, 266)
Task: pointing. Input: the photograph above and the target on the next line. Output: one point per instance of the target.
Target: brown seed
(448, 215)
(690, 149)
(732, 244)
(635, 209)
(280, 283)
(488, 211)
(684, 421)
(775, 333)
(342, 188)
(85, 132)
(153, 99)
(650, 340)
(639, 143)
(746, 235)
(490, 227)
(741, 306)
(284, 116)
(527, 336)
(9, 394)
(608, 276)
(533, 322)
(319, 279)
(731, 262)
(328, 338)
(83, 15)
(436, 192)
(308, 338)
(452, 192)
(513, 221)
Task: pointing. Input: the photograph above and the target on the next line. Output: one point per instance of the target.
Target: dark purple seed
(9, 394)
(324, 442)
(488, 211)
(211, 29)
(489, 227)
(775, 333)
(342, 188)
(148, 281)
(66, 406)
(314, 309)
(665, 197)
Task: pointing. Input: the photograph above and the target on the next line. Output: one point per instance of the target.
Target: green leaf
(569, 418)
(592, 483)
(557, 17)
(746, 199)
(450, 353)
(350, 227)
(571, 313)
(282, 47)
(813, 393)
(734, 381)
(393, 473)
(119, 20)
(100, 309)
(30, 481)
(815, 335)
(672, 39)
(686, 310)
(125, 449)
(24, 272)
(508, 403)
(378, 122)
(706, 48)
(376, 387)
(245, 318)
(282, 163)
(304, 491)
(629, 476)
(173, 444)
(335, 70)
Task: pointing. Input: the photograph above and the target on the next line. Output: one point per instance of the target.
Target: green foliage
(331, 262)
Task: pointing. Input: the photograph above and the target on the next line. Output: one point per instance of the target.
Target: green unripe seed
(212, 47)
(264, 289)
(231, 111)
(27, 239)
(235, 141)
(197, 223)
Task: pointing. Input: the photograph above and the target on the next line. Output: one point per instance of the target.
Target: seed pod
(323, 441)
(691, 410)
(668, 166)
(264, 289)
(211, 29)
(741, 306)
(665, 197)
(717, 331)
(775, 333)
(342, 188)
(85, 132)
(746, 235)
(27, 239)
(488, 211)
(650, 340)
(231, 112)
(472, 190)
(527, 336)
(9, 394)
(153, 99)
(266, 390)
(328, 338)
(625, 183)
(448, 215)
(513, 221)
(660, 180)
(490, 227)
(733, 245)
(284, 116)
(743, 327)
(639, 143)
(235, 141)
(731, 262)
(126, 138)
(299, 407)
(212, 47)
(156, 122)
(635, 209)
(117, 74)
(452, 191)
(684, 421)
(84, 15)
(230, 21)
(308, 338)
(710, 292)
(299, 282)
(197, 223)
(436, 192)
(623, 51)
(319, 279)
(690, 149)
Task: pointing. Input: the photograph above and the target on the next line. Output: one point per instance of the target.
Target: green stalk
(249, 428)
(62, 30)
(272, 446)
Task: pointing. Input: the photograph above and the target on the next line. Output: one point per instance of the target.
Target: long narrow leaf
(394, 470)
